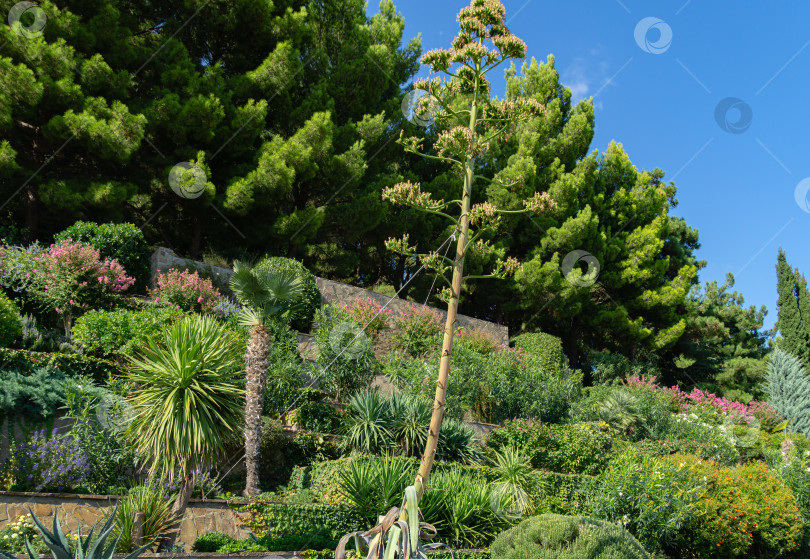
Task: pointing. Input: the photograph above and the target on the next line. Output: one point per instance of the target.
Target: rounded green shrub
(123, 242)
(210, 542)
(545, 350)
(311, 299)
(554, 536)
(10, 329)
(120, 332)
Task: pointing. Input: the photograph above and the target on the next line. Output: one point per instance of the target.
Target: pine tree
(788, 390)
(793, 303)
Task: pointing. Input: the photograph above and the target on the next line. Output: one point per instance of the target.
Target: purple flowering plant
(50, 463)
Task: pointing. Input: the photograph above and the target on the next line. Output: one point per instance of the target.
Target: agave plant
(398, 534)
(84, 548)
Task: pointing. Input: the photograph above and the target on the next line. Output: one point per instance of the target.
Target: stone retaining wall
(80, 512)
(331, 291)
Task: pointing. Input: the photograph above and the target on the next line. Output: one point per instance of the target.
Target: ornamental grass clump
(186, 291)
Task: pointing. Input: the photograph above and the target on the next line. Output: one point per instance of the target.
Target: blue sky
(736, 186)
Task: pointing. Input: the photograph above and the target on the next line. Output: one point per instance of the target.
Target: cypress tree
(793, 303)
(788, 390)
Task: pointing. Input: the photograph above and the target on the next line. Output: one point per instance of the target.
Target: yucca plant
(373, 485)
(156, 505)
(512, 492)
(367, 424)
(411, 417)
(459, 505)
(85, 548)
(187, 402)
(458, 442)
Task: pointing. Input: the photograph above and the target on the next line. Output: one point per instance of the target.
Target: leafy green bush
(493, 385)
(743, 512)
(689, 426)
(612, 368)
(109, 334)
(296, 525)
(311, 299)
(123, 242)
(579, 448)
(37, 393)
(284, 370)
(545, 350)
(97, 417)
(73, 365)
(552, 536)
(653, 498)
(345, 357)
(10, 329)
(318, 417)
(211, 542)
(417, 331)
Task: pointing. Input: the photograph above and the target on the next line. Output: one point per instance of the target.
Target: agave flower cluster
(186, 291)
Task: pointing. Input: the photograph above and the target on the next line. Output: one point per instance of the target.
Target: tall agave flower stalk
(468, 121)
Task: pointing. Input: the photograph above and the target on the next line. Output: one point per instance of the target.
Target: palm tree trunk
(178, 509)
(256, 371)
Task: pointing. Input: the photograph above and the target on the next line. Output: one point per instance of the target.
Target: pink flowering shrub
(710, 406)
(417, 331)
(68, 277)
(370, 316)
(186, 291)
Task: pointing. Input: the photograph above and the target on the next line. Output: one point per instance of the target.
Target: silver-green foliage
(553, 536)
(788, 390)
(86, 547)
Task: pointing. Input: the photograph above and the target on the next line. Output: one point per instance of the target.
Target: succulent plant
(84, 548)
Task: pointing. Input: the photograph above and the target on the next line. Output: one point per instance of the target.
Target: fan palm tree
(265, 295)
(187, 402)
